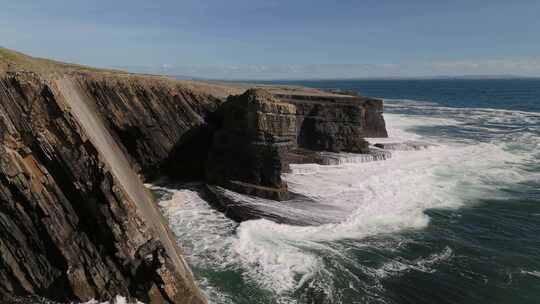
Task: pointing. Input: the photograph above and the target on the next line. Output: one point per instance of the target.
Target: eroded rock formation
(258, 135)
(149, 116)
(75, 220)
(253, 131)
(335, 123)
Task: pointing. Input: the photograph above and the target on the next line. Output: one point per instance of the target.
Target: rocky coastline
(76, 145)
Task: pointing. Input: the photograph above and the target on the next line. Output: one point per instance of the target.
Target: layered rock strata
(257, 136)
(75, 219)
(76, 222)
(151, 117)
(253, 131)
(337, 123)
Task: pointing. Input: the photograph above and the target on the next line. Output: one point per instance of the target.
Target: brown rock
(332, 123)
(75, 219)
(255, 129)
(70, 227)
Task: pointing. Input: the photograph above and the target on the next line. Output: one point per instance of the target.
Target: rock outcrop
(253, 131)
(403, 146)
(336, 123)
(76, 222)
(150, 116)
(257, 135)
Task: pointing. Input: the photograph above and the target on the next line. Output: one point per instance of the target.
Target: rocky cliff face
(75, 220)
(150, 117)
(257, 135)
(253, 131)
(336, 123)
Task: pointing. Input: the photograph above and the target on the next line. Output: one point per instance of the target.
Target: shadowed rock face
(76, 224)
(337, 124)
(253, 130)
(258, 135)
(149, 116)
(75, 220)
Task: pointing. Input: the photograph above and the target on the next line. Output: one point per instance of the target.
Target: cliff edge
(76, 222)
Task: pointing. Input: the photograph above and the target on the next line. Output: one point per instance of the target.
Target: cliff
(258, 134)
(253, 131)
(150, 116)
(336, 123)
(75, 219)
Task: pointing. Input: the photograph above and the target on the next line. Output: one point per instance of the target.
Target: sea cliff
(76, 145)
(76, 221)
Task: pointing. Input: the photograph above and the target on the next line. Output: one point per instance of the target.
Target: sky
(282, 39)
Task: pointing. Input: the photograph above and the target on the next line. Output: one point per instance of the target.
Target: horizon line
(367, 78)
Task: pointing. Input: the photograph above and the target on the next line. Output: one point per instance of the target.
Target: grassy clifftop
(15, 61)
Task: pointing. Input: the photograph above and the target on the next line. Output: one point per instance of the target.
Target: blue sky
(282, 39)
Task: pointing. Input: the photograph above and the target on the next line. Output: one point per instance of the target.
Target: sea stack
(255, 129)
(257, 135)
(77, 143)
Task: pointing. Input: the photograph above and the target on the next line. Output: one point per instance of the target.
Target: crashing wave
(375, 154)
(375, 199)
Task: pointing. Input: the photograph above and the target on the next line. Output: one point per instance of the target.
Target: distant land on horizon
(390, 78)
(145, 70)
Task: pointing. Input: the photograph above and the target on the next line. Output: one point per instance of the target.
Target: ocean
(456, 222)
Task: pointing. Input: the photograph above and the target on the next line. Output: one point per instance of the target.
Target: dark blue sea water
(458, 222)
(510, 94)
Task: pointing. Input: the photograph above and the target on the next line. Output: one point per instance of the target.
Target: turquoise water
(458, 222)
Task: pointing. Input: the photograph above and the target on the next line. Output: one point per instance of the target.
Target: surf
(374, 198)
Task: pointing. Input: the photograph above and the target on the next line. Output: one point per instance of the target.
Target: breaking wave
(471, 154)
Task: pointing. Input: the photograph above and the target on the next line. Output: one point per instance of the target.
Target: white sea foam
(399, 267)
(117, 300)
(207, 232)
(531, 273)
(383, 197)
(376, 197)
(496, 113)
